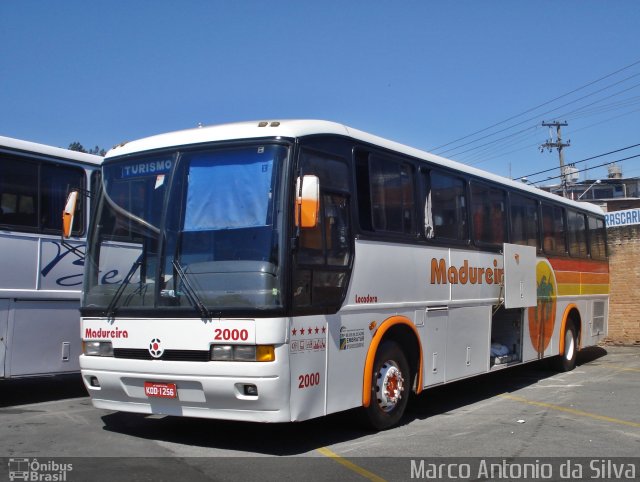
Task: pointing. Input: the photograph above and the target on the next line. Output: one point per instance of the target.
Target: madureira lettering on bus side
(101, 334)
(465, 274)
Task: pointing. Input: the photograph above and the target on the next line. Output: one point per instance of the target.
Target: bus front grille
(168, 355)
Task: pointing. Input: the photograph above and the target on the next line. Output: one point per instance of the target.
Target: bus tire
(567, 360)
(390, 387)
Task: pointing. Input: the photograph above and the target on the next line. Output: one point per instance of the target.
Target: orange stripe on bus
(573, 277)
(373, 348)
(567, 277)
(595, 278)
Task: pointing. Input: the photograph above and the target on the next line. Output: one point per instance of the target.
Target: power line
(604, 121)
(583, 160)
(605, 108)
(489, 153)
(589, 168)
(537, 116)
(478, 157)
(433, 149)
(599, 100)
(480, 160)
(497, 140)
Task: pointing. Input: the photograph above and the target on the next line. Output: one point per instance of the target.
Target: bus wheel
(390, 387)
(567, 360)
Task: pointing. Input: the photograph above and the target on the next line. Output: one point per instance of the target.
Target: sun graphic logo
(155, 348)
(542, 317)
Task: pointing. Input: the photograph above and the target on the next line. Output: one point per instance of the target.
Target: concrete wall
(624, 263)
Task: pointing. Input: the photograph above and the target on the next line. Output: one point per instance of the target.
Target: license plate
(160, 390)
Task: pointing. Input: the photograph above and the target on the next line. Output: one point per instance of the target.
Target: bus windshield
(196, 230)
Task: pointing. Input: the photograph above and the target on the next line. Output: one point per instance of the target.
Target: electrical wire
(588, 168)
(437, 148)
(583, 160)
(545, 113)
(478, 158)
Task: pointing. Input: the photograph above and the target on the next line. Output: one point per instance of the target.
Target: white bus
(40, 277)
(285, 270)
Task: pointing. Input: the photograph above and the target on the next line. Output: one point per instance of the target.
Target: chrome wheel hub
(389, 386)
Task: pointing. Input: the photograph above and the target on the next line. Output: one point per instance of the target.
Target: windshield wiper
(191, 293)
(111, 309)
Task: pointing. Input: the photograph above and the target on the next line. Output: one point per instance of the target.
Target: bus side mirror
(67, 214)
(307, 201)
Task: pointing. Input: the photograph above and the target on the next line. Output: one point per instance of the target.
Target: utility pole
(559, 145)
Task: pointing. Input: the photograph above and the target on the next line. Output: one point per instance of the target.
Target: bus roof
(18, 145)
(301, 128)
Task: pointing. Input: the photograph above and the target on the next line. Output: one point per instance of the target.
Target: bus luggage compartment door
(519, 276)
(39, 330)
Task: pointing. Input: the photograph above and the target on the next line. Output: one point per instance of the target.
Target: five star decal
(309, 331)
(308, 339)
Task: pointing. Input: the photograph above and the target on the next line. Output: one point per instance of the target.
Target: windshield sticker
(159, 181)
(149, 168)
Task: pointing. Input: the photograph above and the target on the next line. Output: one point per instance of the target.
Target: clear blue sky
(420, 72)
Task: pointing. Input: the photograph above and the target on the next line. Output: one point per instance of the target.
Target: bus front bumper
(246, 391)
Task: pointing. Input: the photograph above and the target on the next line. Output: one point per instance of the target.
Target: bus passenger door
(4, 317)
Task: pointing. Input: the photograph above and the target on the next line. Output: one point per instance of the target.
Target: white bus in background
(281, 271)
(41, 277)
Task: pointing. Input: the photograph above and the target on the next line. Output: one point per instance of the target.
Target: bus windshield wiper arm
(127, 279)
(191, 293)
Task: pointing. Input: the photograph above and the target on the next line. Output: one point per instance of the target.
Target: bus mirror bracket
(68, 213)
(67, 221)
(307, 201)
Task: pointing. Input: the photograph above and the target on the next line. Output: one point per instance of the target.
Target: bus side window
(19, 194)
(577, 234)
(524, 220)
(597, 238)
(324, 252)
(489, 217)
(392, 195)
(445, 207)
(553, 233)
(33, 194)
(54, 183)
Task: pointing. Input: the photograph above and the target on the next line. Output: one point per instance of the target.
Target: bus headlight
(222, 353)
(97, 348)
(244, 353)
(260, 353)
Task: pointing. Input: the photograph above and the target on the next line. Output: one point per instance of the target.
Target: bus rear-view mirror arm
(67, 223)
(68, 213)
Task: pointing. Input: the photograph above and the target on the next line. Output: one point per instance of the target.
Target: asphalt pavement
(589, 417)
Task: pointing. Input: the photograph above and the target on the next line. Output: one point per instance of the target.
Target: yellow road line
(572, 411)
(350, 465)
